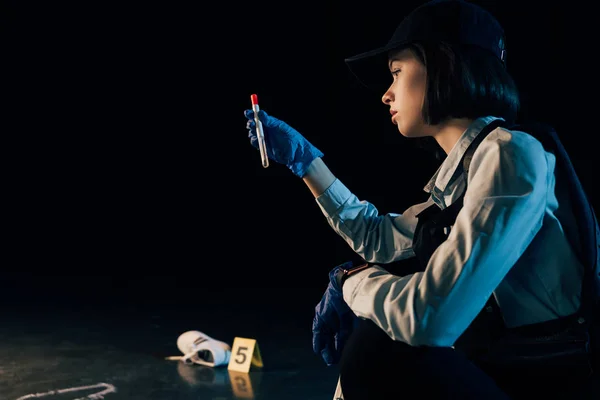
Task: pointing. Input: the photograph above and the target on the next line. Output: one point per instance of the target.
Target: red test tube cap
(254, 99)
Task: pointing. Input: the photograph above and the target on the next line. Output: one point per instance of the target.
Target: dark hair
(464, 82)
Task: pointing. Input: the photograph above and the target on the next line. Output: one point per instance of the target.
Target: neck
(450, 131)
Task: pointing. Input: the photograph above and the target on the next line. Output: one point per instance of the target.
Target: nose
(387, 97)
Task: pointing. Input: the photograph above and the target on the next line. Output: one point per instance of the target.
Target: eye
(395, 72)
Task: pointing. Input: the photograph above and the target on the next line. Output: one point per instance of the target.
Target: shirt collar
(442, 178)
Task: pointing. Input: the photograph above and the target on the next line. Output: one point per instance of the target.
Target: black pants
(375, 367)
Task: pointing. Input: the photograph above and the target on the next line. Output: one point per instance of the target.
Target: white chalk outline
(94, 396)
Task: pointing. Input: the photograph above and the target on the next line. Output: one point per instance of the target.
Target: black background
(129, 175)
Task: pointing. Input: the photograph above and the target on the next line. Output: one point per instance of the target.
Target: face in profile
(406, 95)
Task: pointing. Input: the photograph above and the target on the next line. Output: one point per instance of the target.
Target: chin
(413, 131)
(406, 132)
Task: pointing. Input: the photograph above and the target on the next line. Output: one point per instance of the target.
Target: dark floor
(119, 351)
(73, 347)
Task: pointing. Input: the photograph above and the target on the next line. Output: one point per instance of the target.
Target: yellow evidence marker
(244, 355)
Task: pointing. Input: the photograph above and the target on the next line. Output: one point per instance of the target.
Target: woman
(489, 237)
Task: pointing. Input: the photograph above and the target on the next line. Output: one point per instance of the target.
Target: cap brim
(371, 67)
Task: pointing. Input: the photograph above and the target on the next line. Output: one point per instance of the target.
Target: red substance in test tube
(254, 99)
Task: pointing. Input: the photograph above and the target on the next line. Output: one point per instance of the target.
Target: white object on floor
(199, 348)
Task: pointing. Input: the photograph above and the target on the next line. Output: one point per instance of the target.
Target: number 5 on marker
(244, 354)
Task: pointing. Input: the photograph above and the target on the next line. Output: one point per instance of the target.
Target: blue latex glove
(285, 145)
(333, 322)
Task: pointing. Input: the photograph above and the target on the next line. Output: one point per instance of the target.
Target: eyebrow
(400, 55)
(391, 61)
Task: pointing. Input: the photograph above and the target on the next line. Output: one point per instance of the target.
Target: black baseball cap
(451, 21)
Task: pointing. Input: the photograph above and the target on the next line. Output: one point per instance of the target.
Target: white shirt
(507, 241)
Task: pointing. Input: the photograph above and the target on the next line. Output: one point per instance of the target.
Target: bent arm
(376, 238)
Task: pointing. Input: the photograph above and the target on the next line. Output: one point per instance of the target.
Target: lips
(393, 115)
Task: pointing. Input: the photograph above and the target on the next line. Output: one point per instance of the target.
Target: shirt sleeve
(503, 210)
(376, 238)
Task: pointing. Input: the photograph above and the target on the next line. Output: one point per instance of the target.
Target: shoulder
(514, 139)
(512, 151)
(514, 143)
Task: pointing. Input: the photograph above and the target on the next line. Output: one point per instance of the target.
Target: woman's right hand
(285, 145)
